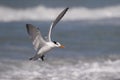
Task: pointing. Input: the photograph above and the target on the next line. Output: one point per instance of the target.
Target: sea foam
(59, 70)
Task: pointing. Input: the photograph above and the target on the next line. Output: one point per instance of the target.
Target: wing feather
(59, 17)
(35, 36)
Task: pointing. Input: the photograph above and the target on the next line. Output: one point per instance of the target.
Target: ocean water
(90, 33)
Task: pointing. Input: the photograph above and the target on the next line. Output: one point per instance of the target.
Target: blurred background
(90, 31)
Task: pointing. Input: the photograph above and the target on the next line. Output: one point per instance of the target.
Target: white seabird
(41, 45)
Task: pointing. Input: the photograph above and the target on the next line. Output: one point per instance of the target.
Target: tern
(42, 45)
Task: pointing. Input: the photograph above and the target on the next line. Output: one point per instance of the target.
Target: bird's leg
(42, 57)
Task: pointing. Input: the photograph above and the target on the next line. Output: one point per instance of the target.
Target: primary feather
(35, 36)
(59, 17)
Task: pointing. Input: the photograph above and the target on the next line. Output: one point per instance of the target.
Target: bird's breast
(44, 49)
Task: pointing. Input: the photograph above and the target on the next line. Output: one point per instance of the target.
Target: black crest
(55, 42)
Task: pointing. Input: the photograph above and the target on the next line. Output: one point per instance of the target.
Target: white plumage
(41, 45)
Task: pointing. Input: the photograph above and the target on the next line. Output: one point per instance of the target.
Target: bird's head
(57, 44)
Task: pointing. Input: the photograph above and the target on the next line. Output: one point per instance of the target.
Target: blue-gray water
(90, 33)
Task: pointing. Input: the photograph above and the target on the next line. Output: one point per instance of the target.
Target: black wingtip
(27, 27)
(66, 9)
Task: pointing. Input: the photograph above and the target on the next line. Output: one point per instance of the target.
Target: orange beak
(61, 46)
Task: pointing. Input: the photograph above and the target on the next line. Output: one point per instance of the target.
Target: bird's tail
(33, 58)
(37, 57)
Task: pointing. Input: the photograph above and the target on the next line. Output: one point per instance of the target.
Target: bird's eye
(55, 42)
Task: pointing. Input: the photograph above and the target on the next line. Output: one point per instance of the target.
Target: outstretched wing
(35, 36)
(59, 17)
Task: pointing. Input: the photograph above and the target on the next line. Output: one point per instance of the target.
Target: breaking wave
(42, 13)
(60, 70)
